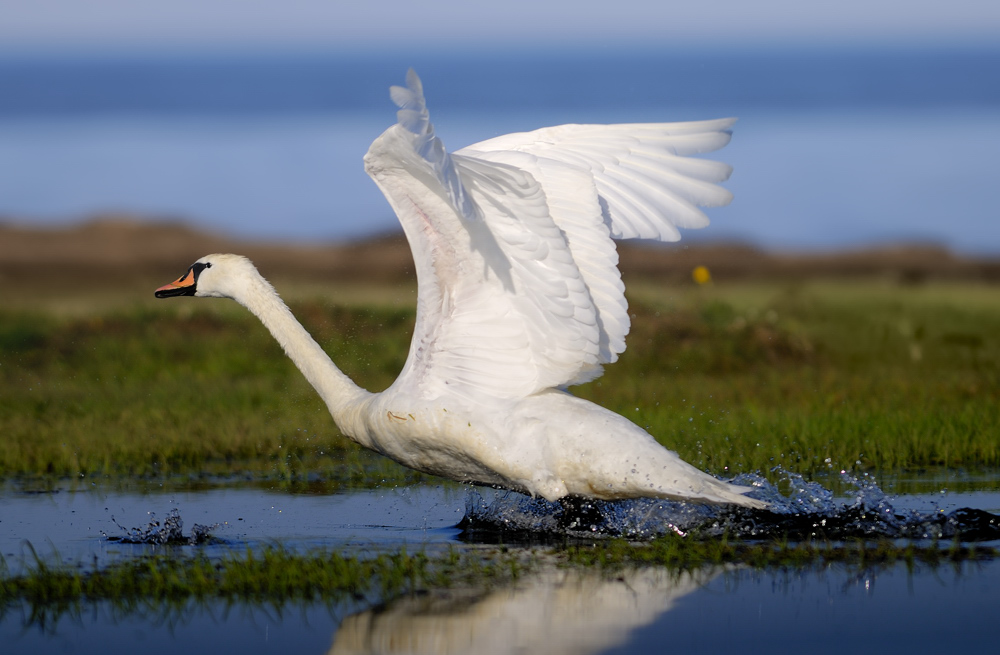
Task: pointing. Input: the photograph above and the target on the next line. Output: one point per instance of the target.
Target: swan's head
(212, 276)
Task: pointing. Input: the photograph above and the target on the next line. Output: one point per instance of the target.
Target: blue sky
(75, 25)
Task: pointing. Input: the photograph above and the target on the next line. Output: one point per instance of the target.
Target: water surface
(825, 608)
(76, 525)
(832, 609)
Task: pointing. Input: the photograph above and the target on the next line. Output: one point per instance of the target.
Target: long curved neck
(343, 398)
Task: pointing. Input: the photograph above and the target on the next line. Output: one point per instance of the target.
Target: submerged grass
(276, 577)
(809, 376)
(680, 553)
(272, 576)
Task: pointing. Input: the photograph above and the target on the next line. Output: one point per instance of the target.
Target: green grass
(155, 584)
(860, 375)
(678, 553)
(271, 576)
(735, 378)
(182, 389)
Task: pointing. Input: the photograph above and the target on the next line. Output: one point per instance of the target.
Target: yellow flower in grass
(701, 275)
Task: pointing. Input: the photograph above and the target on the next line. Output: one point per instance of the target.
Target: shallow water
(577, 610)
(75, 525)
(87, 524)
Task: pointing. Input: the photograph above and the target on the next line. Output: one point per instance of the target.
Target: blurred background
(862, 122)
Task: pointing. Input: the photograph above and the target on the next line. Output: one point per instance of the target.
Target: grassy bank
(734, 377)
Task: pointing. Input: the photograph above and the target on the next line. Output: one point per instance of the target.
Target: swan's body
(519, 296)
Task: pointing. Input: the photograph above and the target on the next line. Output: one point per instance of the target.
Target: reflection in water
(558, 611)
(833, 609)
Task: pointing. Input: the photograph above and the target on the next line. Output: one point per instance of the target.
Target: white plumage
(519, 296)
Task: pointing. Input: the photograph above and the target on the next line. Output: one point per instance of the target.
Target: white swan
(519, 296)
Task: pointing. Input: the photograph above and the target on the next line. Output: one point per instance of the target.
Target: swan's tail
(719, 492)
(678, 480)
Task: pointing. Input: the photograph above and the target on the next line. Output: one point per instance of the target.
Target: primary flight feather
(519, 297)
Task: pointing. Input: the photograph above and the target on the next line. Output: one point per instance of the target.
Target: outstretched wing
(518, 282)
(647, 184)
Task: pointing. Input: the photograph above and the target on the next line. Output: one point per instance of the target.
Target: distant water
(832, 149)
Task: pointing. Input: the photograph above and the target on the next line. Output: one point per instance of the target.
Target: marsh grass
(272, 576)
(678, 553)
(167, 582)
(811, 377)
(815, 376)
(158, 392)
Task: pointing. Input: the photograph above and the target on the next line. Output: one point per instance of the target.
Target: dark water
(817, 610)
(832, 610)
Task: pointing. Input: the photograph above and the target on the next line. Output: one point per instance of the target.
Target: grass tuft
(679, 553)
(272, 576)
(276, 577)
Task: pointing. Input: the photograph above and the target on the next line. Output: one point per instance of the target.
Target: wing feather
(659, 150)
(518, 281)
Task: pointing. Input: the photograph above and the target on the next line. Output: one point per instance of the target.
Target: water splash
(805, 510)
(169, 532)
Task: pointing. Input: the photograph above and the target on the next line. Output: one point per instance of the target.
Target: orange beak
(182, 286)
